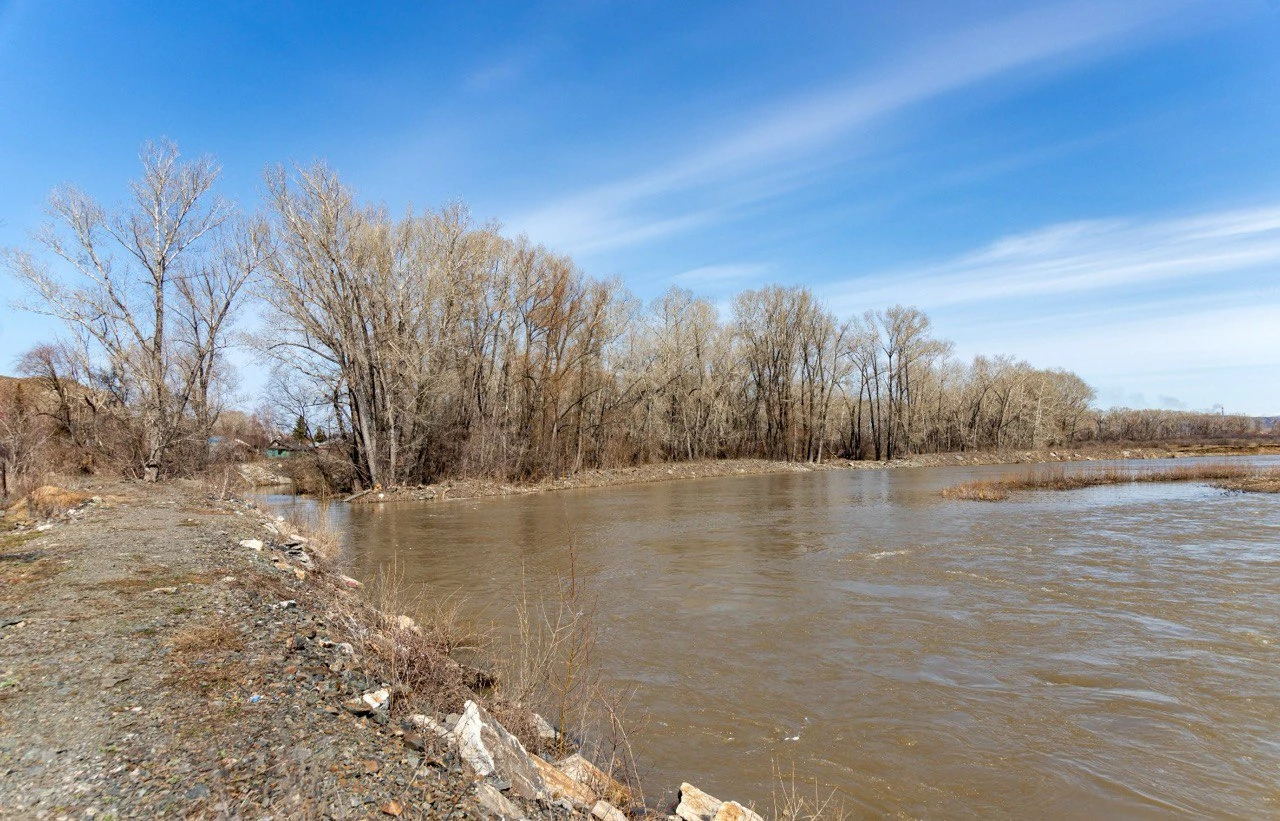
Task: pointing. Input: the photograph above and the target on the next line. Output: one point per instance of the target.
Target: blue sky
(1090, 184)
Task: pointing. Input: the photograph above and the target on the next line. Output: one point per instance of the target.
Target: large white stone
(607, 812)
(497, 803)
(600, 782)
(489, 749)
(695, 805)
(562, 787)
(733, 811)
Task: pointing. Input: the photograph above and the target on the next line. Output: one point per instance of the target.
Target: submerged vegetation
(995, 490)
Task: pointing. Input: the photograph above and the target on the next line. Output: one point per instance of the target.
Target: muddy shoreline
(461, 489)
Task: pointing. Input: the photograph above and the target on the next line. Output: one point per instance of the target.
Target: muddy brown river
(1106, 652)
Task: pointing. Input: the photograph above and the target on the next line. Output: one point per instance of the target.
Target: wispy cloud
(1121, 302)
(1085, 257)
(792, 131)
(720, 276)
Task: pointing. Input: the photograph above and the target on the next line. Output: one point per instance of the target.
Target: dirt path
(151, 666)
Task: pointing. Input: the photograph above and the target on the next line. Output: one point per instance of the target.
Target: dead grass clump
(204, 658)
(1264, 481)
(51, 500)
(324, 544)
(977, 491)
(208, 638)
(26, 567)
(994, 490)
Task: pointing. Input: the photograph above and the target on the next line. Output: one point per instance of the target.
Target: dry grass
(205, 658)
(995, 490)
(208, 638)
(792, 801)
(977, 491)
(410, 655)
(551, 666)
(1266, 481)
(26, 567)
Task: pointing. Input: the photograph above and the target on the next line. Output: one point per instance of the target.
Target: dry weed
(208, 638)
(994, 490)
(1264, 481)
(792, 801)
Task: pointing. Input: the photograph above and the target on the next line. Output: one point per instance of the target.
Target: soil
(152, 666)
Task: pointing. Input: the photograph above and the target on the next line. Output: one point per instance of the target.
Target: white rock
(350, 583)
(733, 811)
(695, 805)
(488, 748)
(607, 812)
(497, 803)
(407, 623)
(429, 724)
(560, 787)
(597, 780)
(252, 544)
(377, 699)
(544, 729)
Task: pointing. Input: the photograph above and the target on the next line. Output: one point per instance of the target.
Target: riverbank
(459, 489)
(168, 651)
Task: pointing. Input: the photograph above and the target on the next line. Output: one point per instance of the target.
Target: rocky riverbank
(457, 489)
(164, 651)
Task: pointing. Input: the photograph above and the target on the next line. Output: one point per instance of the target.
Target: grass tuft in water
(995, 490)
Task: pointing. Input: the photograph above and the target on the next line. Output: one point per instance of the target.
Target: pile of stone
(506, 768)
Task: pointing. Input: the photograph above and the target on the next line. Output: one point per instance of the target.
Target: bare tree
(150, 285)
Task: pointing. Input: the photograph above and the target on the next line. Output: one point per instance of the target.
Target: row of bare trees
(429, 345)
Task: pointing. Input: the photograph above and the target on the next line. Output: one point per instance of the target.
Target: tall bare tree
(147, 283)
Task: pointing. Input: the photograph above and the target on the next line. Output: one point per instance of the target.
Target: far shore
(462, 489)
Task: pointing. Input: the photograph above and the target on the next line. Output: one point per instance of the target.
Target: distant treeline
(428, 345)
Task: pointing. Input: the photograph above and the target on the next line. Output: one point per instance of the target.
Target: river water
(1113, 651)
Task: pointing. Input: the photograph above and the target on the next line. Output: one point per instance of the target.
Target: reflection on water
(1107, 651)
